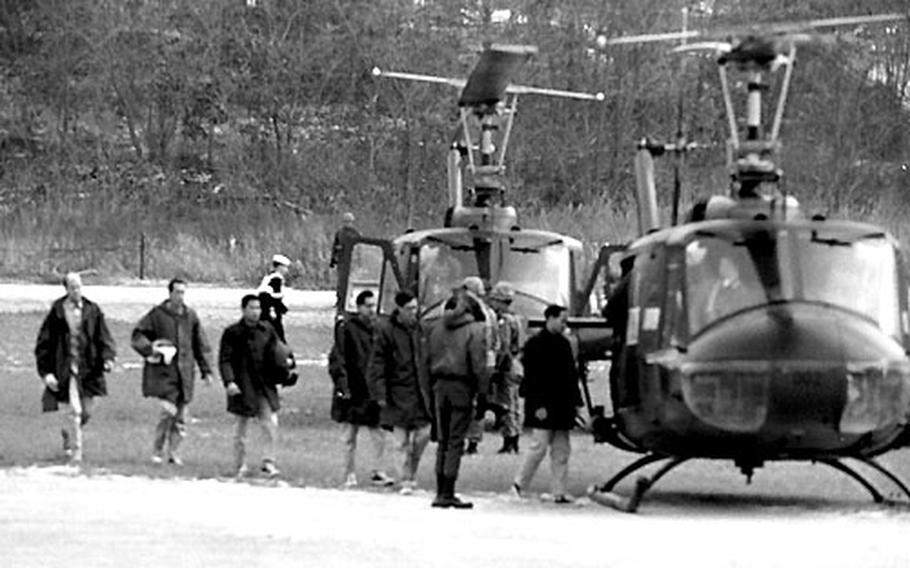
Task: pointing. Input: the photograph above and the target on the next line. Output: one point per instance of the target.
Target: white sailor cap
(281, 259)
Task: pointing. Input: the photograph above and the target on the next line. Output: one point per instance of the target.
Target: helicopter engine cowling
(789, 379)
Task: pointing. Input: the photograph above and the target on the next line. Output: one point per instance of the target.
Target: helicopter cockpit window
(858, 274)
(366, 273)
(727, 274)
(443, 266)
(539, 269)
(721, 279)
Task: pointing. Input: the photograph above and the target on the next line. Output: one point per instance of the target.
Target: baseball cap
(281, 259)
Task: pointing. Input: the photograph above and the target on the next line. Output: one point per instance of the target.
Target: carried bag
(282, 364)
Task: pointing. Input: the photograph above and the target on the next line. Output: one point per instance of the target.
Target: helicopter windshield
(855, 272)
(538, 267)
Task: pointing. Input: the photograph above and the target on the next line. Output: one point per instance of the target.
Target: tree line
(193, 108)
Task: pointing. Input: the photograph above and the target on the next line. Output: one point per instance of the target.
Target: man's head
(474, 285)
(73, 284)
(251, 308)
(556, 318)
(347, 219)
(176, 289)
(502, 294)
(366, 303)
(407, 307)
(280, 264)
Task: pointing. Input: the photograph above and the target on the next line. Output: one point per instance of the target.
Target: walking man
(171, 339)
(346, 232)
(73, 352)
(550, 390)
(271, 293)
(246, 360)
(458, 372)
(352, 405)
(398, 383)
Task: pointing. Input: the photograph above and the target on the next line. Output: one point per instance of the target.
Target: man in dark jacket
(246, 360)
(171, 339)
(457, 364)
(351, 404)
(73, 351)
(398, 383)
(550, 390)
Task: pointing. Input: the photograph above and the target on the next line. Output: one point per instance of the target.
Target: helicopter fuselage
(762, 340)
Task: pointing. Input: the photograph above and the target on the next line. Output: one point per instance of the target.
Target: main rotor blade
(769, 29)
(524, 90)
(648, 38)
(457, 83)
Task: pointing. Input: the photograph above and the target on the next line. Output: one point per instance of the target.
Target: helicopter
(749, 332)
(480, 233)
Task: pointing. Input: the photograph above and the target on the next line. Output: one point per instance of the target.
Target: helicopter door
(367, 264)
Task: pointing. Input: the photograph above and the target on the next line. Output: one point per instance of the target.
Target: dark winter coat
(52, 352)
(550, 382)
(172, 382)
(397, 375)
(352, 402)
(246, 357)
(457, 350)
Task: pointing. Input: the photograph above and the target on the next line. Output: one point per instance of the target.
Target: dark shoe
(506, 446)
(471, 448)
(563, 500)
(456, 503)
(514, 444)
(441, 502)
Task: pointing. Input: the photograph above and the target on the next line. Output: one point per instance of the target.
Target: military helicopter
(481, 235)
(750, 333)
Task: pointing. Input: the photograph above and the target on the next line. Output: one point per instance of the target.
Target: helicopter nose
(796, 367)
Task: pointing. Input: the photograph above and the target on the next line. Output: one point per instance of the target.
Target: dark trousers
(454, 410)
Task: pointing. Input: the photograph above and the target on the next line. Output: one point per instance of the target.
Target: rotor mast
(488, 103)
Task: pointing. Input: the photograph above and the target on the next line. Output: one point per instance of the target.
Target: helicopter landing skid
(851, 472)
(603, 494)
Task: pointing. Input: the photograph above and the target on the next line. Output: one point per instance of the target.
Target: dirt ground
(61, 516)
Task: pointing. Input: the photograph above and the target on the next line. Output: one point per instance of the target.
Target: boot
(441, 500)
(471, 448)
(509, 445)
(454, 501)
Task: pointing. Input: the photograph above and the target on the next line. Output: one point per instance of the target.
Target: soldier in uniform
(508, 372)
(458, 373)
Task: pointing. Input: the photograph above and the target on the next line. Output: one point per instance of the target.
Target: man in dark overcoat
(552, 398)
(398, 383)
(246, 360)
(457, 365)
(352, 405)
(170, 338)
(73, 352)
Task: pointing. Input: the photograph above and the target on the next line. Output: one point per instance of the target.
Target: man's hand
(50, 381)
(108, 365)
(541, 413)
(207, 379)
(232, 389)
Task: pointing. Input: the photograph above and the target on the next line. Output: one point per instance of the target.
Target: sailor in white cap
(271, 293)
